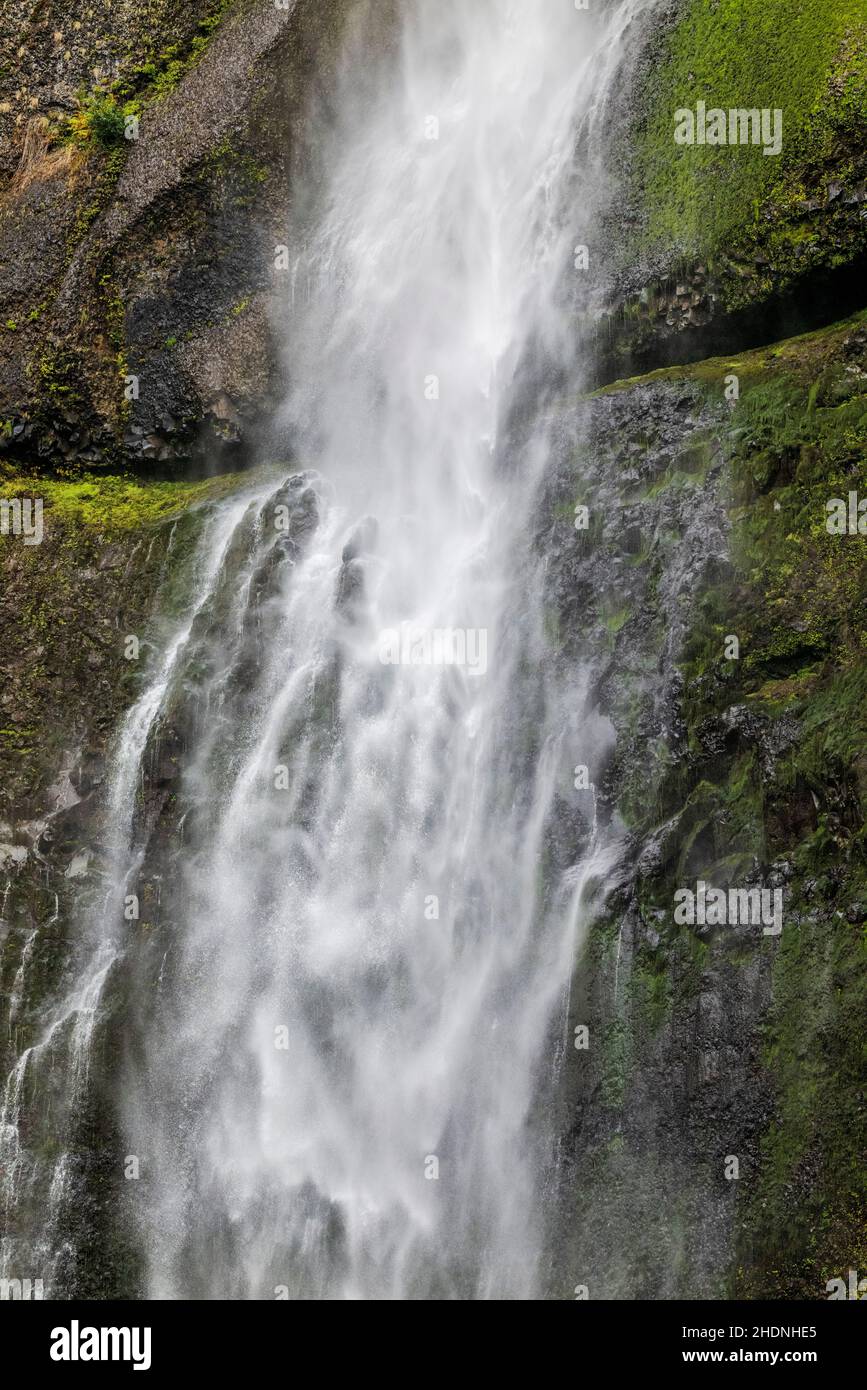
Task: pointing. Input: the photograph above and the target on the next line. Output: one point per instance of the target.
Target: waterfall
(31, 1097)
(347, 1001)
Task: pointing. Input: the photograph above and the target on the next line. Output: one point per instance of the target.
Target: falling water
(349, 1015)
(63, 1045)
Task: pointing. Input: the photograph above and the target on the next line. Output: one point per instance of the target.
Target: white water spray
(339, 1095)
(338, 1081)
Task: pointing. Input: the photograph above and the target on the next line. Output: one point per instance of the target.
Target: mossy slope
(809, 61)
(714, 231)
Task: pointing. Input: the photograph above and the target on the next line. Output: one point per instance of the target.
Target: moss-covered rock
(66, 607)
(714, 1043)
(720, 238)
(84, 615)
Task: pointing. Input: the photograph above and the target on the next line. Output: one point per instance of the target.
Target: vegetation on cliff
(810, 62)
(763, 781)
(716, 230)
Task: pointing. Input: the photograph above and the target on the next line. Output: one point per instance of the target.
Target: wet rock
(161, 247)
(363, 540)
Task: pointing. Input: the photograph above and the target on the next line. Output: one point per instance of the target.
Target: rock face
(710, 1149)
(138, 331)
(715, 247)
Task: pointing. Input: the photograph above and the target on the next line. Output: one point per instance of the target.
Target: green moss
(58, 370)
(796, 597)
(164, 68)
(112, 163)
(803, 1223)
(652, 995)
(615, 1063)
(614, 621)
(242, 174)
(119, 503)
(801, 360)
(807, 60)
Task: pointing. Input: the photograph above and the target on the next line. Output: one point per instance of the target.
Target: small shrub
(100, 119)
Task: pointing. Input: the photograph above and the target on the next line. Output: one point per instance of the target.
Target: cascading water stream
(338, 1089)
(65, 1039)
(352, 1006)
